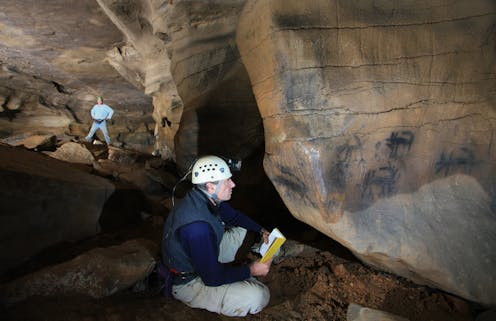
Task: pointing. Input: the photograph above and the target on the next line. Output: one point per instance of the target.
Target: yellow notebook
(276, 239)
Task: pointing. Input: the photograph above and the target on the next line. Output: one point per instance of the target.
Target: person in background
(100, 114)
(201, 237)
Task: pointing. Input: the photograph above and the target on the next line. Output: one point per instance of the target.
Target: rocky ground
(318, 284)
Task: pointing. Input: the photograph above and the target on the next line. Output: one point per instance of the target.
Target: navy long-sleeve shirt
(198, 240)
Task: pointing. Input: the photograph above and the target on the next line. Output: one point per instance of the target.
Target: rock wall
(220, 114)
(379, 122)
(53, 65)
(144, 61)
(184, 55)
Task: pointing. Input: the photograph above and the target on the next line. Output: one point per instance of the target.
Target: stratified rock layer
(379, 123)
(53, 64)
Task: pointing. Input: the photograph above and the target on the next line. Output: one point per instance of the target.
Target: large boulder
(44, 201)
(379, 122)
(97, 273)
(73, 153)
(36, 142)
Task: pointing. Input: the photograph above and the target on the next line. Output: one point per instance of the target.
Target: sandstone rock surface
(97, 273)
(36, 142)
(215, 110)
(53, 63)
(379, 122)
(73, 153)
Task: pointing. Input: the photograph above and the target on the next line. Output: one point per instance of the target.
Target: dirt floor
(316, 285)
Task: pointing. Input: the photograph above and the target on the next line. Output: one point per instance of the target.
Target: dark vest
(193, 208)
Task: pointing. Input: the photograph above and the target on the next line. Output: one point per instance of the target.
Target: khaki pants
(234, 299)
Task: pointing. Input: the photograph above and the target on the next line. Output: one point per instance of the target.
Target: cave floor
(319, 284)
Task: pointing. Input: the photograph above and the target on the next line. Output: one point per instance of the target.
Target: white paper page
(272, 236)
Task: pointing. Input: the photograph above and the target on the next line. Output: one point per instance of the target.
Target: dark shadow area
(120, 221)
(224, 122)
(228, 124)
(123, 208)
(98, 151)
(426, 303)
(9, 114)
(256, 196)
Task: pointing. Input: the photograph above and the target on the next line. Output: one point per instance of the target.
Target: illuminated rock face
(54, 61)
(151, 60)
(379, 124)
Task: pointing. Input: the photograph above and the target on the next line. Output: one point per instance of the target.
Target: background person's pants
(234, 299)
(103, 127)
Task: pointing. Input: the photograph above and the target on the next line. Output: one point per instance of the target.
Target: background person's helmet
(209, 169)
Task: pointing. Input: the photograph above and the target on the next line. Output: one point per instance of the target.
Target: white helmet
(209, 169)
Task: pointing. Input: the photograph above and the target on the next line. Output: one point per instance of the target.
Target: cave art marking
(463, 158)
(380, 182)
(398, 142)
(335, 207)
(293, 185)
(340, 170)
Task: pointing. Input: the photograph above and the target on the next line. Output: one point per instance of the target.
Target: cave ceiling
(53, 56)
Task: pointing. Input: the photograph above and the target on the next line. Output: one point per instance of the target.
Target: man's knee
(257, 298)
(263, 300)
(249, 296)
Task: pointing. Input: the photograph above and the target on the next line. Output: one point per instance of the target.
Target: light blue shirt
(100, 112)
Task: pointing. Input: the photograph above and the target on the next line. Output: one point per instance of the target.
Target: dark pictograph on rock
(399, 141)
(380, 182)
(463, 158)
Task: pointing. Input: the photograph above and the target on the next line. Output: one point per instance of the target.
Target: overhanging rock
(379, 121)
